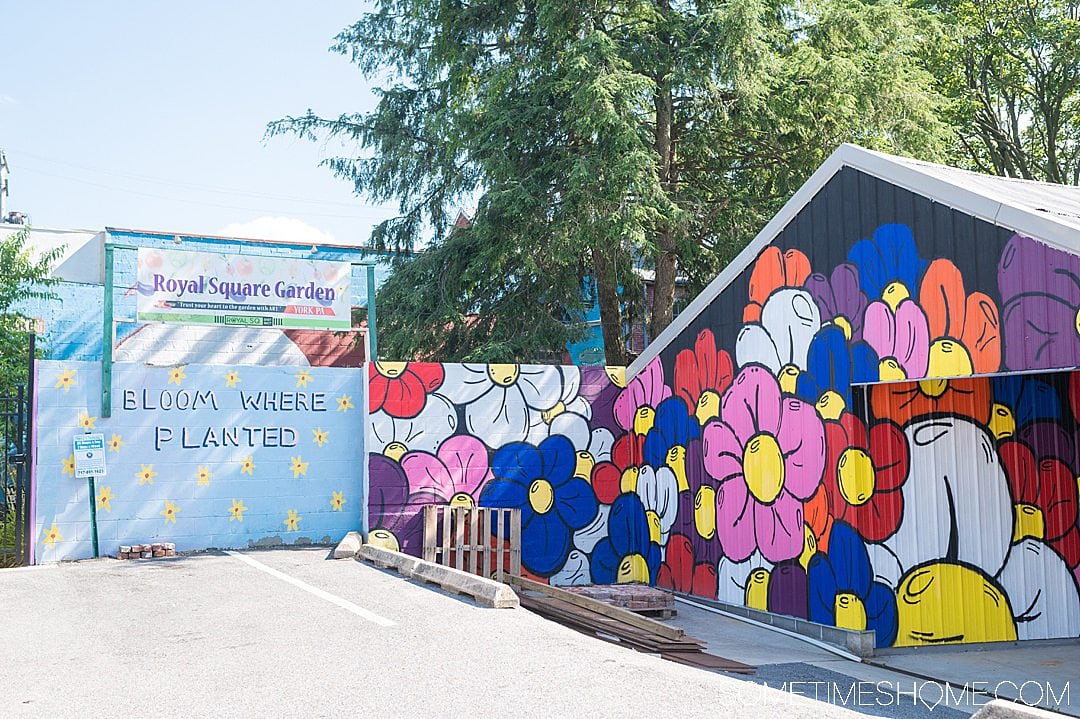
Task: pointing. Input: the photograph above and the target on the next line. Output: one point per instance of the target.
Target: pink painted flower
(767, 452)
(455, 474)
(635, 407)
(901, 338)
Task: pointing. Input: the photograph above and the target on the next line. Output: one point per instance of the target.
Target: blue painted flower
(667, 439)
(889, 264)
(831, 366)
(842, 591)
(554, 503)
(627, 553)
(1020, 400)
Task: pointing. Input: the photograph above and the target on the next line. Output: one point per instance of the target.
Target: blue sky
(151, 115)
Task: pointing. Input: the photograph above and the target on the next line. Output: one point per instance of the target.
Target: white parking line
(343, 603)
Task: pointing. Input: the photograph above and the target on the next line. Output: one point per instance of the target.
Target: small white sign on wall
(89, 451)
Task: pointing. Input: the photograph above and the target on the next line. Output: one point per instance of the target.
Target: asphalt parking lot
(285, 633)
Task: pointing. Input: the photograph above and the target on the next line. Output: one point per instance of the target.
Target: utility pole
(4, 170)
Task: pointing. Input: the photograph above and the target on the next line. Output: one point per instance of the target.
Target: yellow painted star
(146, 474)
(337, 502)
(169, 512)
(321, 436)
(69, 465)
(176, 375)
(105, 496)
(66, 379)
(232, 378)
(247, 465)
(116, 443)
(236, 511)
(298, 466)
(303, 378)
(52, 536)
(344, 403)
(86, 421)
(293, 521)
(203, 475)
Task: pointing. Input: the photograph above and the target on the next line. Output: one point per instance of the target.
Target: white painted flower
(575, 571)
(744, 583)
(886, 566)
(505, 402)
(590, 535)
(659, 493)
(394, 436)
(1041, 591)
(789, 321)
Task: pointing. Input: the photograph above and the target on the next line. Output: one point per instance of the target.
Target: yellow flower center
(633, 568)
(933, 387)
(855, 474)
(894, 294)
(656, 532)
(390, 369)
(1029, 522)
(394, 450)
(583, 465)
(757, 589)
(705, 512)
(943, 603)
(889, 370)
(644, 419)
(384, 539)
(503, 375)
(1077, 322)
(1002, 421)
(949, 358)
(617, 375)
(541, 496)
(676, 459)
(461, 500)
(843, 323)
(850, 612)
(789, 378)
(830, 405)
(628, 480)
(763, 468)
(809, 546)
(550, 414)
(708, 406)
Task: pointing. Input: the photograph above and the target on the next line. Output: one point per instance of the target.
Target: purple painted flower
(393, 515)
(600, 386)
(635, 407)
(840, 299)
(1040, 292)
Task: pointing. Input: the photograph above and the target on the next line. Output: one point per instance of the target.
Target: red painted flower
(681, 573)
(902, 402)
(619, 474)
(863, 475)
(702, 375)
(401, 388)
(1045, 496)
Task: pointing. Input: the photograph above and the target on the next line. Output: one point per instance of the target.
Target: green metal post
(373, 341)
(93, 515)
(107, 337)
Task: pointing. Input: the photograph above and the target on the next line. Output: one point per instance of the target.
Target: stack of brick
(635, 597)
(146, 551)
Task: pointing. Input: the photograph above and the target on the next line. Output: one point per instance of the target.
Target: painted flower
(635, 407)
(600, 387)
(889, 264)
(659, 492)
(591, 444)
(702, 375)
(965, 330)
(620, 473)
(574, 572)
(1040, 295)
(773, 270)
(394, 436)
(401, 388)
(1050, 440)
(1020, 400)
(947, 603)
(665, 442)
(680, 572)
(900, 335)
(745, 582)
(840, 299)
(503, 402)
(627, 553)
(696, 518)
(767, 453)
(395, 521)
(902, 402)
(1042, 592)
(843, 593)
(781, 338)
(863, 475)
(832, 365)
(453, 475)
(554, 503)
(1045, 499)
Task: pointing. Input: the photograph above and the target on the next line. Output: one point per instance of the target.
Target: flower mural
(702, 375)
(627, 553)
(401, 388)
(832, 366)
(772, 271)
(964, 329)
(635, 407)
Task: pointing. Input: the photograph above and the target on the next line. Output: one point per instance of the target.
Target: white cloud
(7, 100)
(282, 229)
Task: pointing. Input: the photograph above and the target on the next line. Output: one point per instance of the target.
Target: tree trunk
(666, 255)
(607, 293)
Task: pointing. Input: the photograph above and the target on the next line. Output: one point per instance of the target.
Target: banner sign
(243, 291)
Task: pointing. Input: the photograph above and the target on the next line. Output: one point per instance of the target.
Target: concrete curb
(485, 591)
(1003, 709)
(348, 546)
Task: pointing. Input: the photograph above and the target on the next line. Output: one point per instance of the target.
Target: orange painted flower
(965, 329)
(902, 402)
(772, 270)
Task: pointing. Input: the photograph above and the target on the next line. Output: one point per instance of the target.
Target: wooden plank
(499, 564)
(515, 542)
(431, 531)
(459, 536)
(486, 537)
(445, 557)
(474, 529)
(704, 660)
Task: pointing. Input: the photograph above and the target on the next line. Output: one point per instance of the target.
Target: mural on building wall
(199, 455)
